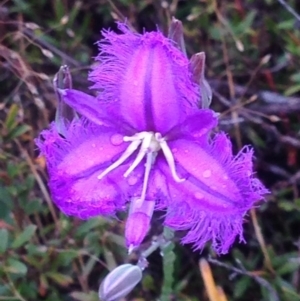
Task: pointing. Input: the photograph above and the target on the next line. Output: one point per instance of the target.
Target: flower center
(149, 145)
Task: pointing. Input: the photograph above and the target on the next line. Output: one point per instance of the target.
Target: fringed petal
(218, 191)
(92, 109)
(196, 126)
(148, 78)
(74, 163)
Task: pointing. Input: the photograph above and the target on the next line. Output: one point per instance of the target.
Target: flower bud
(64, 113)
(197, 66)
(176, 34)
(120, 282)
(138, 222)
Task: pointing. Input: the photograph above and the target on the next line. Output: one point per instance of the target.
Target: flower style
(144, 141)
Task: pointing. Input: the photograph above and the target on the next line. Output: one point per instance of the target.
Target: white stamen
(150, 145)
(148, 166)
(141, 154)
(130, 249)
(169, 157)
(129, 151)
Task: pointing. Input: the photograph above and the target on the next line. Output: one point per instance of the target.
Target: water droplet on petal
(174, 150)
(206, 173)
(199, 195)
(116, 139)
(225, 177)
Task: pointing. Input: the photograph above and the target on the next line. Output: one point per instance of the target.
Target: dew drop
(116, 139)
(132, 180)
(225, 177)
(206, 173)
(199, 195)
(174, 150)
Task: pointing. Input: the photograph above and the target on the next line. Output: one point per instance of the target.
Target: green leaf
(87, 226)
(33, 206)
(3, 240)
(61, 279)
(288, 290)
(18, 131)
(15, 266)
(287, 24)
(24, 237)
(65, 258)
(292, 90)
(246, 24)
(10, 121)
(296, 77)
(91, 296)
(241, 286)
(288, 267)
(287, 206)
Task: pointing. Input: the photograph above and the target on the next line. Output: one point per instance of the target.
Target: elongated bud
(64, 113)
(197, 66)
(138, 222)
(176, 34)
(120, 282)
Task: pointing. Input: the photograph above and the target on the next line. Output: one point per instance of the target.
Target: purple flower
(144, 141)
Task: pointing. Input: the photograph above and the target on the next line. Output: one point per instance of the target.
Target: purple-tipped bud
(197, 66)
(138, 222)
(64, 113)
(120, 282)
(176, 34)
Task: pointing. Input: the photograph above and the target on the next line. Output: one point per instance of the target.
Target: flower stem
(168, 265)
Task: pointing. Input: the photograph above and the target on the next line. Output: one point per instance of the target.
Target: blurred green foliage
(253, 62)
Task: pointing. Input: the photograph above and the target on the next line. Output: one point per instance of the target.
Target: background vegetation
(253, 63)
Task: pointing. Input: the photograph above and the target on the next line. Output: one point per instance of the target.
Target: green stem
(168, 265)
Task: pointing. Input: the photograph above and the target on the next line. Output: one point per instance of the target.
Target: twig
(290, 9)
(246, 113)
(267, 102)
(234, 113)
(40, 183)
(261, 241)
(208, 280)
(66, 59)
(258, 279)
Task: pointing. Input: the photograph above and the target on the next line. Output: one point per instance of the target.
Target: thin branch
(244, 272)
(290, 9)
